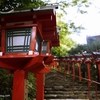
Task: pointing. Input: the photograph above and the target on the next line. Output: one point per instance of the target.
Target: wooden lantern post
(27, 36)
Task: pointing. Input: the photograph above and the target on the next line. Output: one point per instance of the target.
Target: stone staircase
(59, 86)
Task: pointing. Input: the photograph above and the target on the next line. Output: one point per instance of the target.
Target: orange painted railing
(82, 66)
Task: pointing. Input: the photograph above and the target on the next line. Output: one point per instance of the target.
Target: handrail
(68, 64)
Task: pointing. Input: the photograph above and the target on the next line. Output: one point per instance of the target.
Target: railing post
(73, 66)
(79, 61)
(65, 66)
(88, 62)
(64, 61)
(56, 63)
(97, 61)
(79, 70)
(60, 61)
(68, 62)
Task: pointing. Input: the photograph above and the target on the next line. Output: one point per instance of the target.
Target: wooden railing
(82, 66)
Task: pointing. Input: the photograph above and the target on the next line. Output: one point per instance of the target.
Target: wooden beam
(34, 62)
(6, 66)
(49, 60)
(40, 69)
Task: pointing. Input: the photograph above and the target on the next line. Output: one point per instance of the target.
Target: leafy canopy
(66, 43)
(7, 5)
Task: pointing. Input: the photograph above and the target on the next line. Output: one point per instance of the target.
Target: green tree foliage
(94, 46)
(66, 43)
(77, 4)
(6, 83)
(73, 3)
(31, 86)
(78, 49)
(7, 5)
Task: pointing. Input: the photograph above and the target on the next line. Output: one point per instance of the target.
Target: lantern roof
(44, 17)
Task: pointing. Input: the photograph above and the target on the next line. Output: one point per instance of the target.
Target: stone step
(68, 89)
(81, 96)
(71, 96)
(62, 87)
(66, 92)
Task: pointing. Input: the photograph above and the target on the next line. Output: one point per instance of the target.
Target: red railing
(82, 66)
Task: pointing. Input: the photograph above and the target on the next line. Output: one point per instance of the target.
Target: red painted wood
(53, 63)
(73, 69)
(39, 29)
(49, 24)
(45, 29)
(14, 61)
(79, 70)
(50, 36)
(89, 73)
(47, 19)
(29, 16)
(35, 61)
(38, 68)
(19, 26)
(45, 70)
(33, 39)
(6, 66)
(99, 71)
(69, 68)
(3, 40)
(40, 86)
(64, 66)
(18, 85)
(48, 59)
(44, 18)
(55, 43)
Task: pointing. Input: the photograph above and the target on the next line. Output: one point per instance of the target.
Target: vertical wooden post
(59, 68)
(79, 70)
(58, 64)
(89, 74)
(18, 85)
(99, 71)
(40, 86)
(68, 68)
(88, 64)
(65, 67)
(73, 68)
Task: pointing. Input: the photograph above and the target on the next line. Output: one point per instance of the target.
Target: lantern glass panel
(44, 47)
(38, 43)
(18, 40)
